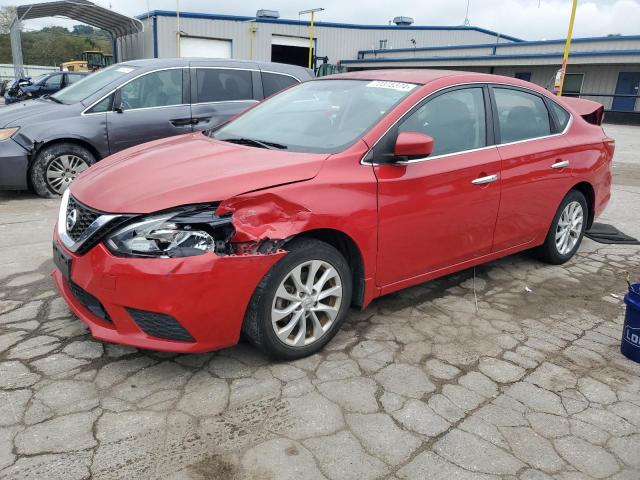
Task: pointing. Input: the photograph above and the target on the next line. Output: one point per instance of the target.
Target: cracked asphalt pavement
(511, 373)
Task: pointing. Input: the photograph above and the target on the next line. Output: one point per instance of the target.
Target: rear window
(274, 82)
(562, 116)
(521, 115)
(221, 85)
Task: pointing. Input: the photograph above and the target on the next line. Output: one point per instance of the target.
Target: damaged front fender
(264, 217)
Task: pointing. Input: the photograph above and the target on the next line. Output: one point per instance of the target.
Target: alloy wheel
(569, 227)
(62, 170)
(306, 303)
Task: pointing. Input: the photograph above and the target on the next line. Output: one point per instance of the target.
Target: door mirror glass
(412, 145)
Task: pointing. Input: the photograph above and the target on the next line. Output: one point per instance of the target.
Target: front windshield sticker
(399, 86)
(125, 70)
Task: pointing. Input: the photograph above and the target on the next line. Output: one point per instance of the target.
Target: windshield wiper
(49, 97)
(256, 143)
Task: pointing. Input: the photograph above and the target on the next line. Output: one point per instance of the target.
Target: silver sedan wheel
(569, 227)
(306, 303)
(63, 170)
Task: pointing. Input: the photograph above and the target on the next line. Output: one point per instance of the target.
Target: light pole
(567, 47)
(312, 12)
(178, 27)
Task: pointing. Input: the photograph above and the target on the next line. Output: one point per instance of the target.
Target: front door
(628, 84)
(438, 211)
(150, 107)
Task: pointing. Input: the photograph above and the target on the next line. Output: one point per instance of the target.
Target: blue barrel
(630, 346)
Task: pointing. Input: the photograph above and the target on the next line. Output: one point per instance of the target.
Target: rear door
(152, 106)
(220, 93)
(536, 172)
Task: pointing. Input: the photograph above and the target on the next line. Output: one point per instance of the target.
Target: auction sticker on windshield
(125, 70)
(399, 86)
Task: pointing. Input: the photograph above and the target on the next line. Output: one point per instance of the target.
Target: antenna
(466, 15)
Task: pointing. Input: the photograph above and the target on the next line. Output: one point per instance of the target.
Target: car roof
(425, 76)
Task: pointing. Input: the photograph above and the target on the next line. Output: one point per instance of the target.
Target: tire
(551, 251)
(268, 300)
(54, 160)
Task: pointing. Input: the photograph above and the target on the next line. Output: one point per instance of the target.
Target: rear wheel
(567, 229)
(56, 166)
(301, 302)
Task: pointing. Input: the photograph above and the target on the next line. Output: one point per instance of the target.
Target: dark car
(45, 143)
(45, 85)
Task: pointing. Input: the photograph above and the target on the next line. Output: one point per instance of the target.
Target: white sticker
(125, 70)
(399, 86)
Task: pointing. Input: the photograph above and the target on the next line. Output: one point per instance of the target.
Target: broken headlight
(6, 133)
(184, 232)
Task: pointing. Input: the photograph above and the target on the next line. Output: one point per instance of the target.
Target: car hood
(16, 114)
(185, 170)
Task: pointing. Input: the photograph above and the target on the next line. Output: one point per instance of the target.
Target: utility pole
(178, 27)
(567, 47)
(312, 12)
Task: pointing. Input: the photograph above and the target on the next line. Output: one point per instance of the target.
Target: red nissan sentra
(323, 197)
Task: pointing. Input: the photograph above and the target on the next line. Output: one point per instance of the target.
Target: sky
(526, 19)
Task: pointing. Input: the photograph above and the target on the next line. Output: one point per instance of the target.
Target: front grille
(89, 301)
(84, 217)
(160, 325)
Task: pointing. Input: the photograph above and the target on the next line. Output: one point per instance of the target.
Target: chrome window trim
(209, 67)
(283, 74)
(86, 110)
(225, 101)
(422, 159)
(68, 242)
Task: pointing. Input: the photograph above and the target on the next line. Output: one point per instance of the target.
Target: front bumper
(14, 164)
(206, 294)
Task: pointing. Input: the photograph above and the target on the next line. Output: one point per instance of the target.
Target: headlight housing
(184, 232)
(6, 133)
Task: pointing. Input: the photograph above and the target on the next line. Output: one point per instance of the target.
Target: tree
(7, 14)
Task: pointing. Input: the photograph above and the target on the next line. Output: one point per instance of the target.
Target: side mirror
(413, 144)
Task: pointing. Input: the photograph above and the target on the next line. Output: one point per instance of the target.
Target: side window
(521, 115)
(562, 116)
(273, 83)
(220, 85)
(103, 105)
(455, 120)
(54, 81)
(71, 79)
(156, 89)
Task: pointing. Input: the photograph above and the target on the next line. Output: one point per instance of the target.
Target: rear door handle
(485, 180)
(181, 122)
(197, 120)
(560, 164)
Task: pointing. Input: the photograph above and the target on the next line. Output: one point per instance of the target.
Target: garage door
(290, 41)
(205, 47)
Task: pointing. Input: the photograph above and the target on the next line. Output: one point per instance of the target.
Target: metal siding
(335, 43)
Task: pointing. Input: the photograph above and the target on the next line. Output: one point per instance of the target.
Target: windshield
(91, 84)
(323, 116)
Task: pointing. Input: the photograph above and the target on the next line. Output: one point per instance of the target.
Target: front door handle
(560, 164)
(485, 180)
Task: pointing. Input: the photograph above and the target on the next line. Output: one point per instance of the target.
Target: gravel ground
(513, 374)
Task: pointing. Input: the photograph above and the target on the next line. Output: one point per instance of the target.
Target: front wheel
(56, 166)
(301, 302)
(567, 229)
